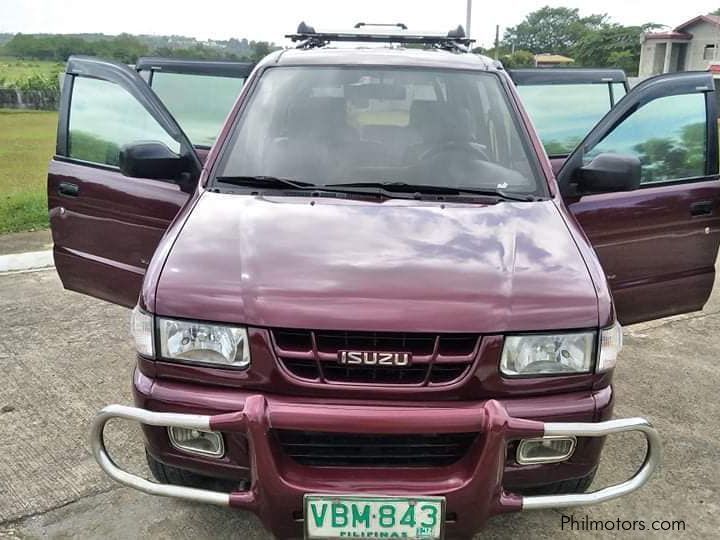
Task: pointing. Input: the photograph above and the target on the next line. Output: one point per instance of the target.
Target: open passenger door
(657, 243)
(106, 225)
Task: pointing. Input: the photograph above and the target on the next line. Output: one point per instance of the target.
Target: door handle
(69, 189)
(702, 208)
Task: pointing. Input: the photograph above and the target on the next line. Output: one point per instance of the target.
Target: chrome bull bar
(189, 421)
(246, 499)
(653, 456)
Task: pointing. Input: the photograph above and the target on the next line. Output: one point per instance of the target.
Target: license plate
(360, 516)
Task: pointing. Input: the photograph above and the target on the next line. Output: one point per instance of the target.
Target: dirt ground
(64, 356)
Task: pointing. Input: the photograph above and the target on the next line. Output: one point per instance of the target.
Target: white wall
(703, 34)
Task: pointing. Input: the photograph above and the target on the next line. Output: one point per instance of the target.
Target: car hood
(397, 265)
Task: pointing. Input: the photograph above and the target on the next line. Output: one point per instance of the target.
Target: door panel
(105, 225)
(658, 259)
(556, 163)
(105, 236)
(657, 244)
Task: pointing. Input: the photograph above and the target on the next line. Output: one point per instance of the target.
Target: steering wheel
(466, 147)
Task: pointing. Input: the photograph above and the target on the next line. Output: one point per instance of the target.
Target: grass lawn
(14, 69)
(27, 142)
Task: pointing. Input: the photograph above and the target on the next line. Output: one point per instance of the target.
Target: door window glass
(104, 117)
(564, 113)
(668, 135)
(618, 91)
(199, 103)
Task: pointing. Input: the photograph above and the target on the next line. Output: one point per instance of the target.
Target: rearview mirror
(609, 172)
(373, 90)
(153, 160)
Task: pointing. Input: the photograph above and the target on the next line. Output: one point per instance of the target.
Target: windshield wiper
(274, 182)
(265, 182)
(368, 188)
(429, 189)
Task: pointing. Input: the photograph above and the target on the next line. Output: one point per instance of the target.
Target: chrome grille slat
(437, 359)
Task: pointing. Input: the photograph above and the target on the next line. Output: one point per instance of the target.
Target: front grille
(320, 449)
(436, 358)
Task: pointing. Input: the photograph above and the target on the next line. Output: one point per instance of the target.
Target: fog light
(545, 450)
(195, 441)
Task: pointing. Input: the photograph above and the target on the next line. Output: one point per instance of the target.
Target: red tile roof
(668, 35)
(679, 31)
(712, 19)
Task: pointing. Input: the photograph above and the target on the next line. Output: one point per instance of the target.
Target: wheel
(180, 477)
(575, 485)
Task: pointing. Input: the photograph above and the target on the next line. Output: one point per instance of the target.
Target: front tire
(168, 474)
(575, 485)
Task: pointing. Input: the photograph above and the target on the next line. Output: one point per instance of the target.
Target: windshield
(331, 125)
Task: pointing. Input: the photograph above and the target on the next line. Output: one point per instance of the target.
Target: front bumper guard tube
(653, 455)
(255, 412)
(189, 421)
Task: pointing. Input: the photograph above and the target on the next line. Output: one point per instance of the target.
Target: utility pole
(468, 18)
(497, 41)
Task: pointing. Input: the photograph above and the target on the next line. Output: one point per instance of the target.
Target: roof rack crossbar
(399, 25)
(308, 38)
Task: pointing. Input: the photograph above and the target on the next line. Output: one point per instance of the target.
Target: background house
(691, 46)
(551, 60)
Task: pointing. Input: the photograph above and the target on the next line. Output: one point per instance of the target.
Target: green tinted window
(104, 117)
(199, 103)
(618, 91)
(667, 135)
(564, 113)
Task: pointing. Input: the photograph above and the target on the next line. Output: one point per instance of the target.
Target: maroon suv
(371, 310)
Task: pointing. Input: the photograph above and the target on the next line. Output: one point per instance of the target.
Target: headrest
(317, 115)
(424, 113)
(437, 121)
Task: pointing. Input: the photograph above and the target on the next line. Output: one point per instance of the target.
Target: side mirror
(609, 172)
(153, 160)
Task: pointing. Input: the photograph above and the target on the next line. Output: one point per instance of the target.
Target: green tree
(674, 157)
(551, 30)
(127, 48)
(611, 45)
(260, 49)
(518, 59)
(124, 48)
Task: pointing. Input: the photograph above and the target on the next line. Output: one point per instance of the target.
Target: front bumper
(275, 493)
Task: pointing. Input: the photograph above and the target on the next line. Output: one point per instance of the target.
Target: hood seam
(584, 260)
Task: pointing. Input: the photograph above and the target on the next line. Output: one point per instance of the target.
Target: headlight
(548, 354)
(204, 343)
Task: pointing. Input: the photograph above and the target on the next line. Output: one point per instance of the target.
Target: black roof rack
(566, 75)
(220, 68)
(454, 40)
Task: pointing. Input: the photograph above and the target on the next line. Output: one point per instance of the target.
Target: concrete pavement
(23, 242)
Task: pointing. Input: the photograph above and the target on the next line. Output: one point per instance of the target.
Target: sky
(269, 20)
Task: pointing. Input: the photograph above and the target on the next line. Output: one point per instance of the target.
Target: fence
(12, 98)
